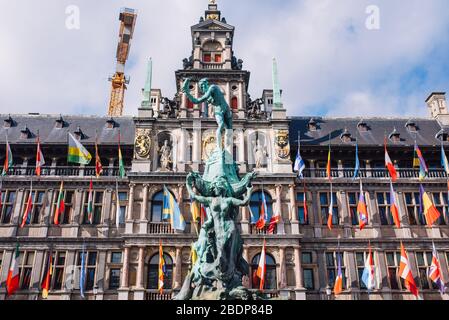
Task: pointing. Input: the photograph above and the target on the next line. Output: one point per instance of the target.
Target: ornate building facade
(171, 137)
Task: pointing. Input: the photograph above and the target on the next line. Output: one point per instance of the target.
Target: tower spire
(212, 12)
(277, 101)
(146, 103)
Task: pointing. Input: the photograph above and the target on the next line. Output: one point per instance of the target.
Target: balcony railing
(406, 173)
(160, 228)
(65, 171)
(212, 66)
(155, 295)
(263, 231)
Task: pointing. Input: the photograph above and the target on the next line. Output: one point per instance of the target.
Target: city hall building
(168, 138)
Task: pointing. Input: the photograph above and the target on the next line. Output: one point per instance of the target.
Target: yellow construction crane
(119, 80)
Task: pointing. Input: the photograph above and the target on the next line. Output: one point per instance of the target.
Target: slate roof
(425, 135)
(50, 134)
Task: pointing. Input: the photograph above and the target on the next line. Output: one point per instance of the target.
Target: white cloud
(325, 54)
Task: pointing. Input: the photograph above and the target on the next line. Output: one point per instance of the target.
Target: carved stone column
(280, 226)
(129, 212)
(299, 277)
(124, 283)
(140, 290)
(143, 223)
(282, 269)
(178, 269)
(294, 210)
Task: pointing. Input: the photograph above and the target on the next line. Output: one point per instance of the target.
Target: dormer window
(395, 136)
(8, 122)
(346, 136)
(110, 124)
(59, 123)
(362, 126)
(411, 126)
(25, 133)
(212, 52)
(79, 134)
(442, 136)
(313, 126)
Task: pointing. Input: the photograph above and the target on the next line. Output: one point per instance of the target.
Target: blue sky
(330, 63)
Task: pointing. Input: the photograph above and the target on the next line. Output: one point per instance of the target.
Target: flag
(275, 219)
(162, 270)
(195, 210)
(328, 167)
(60, 206)
(362, 210)
(40, 161)
(118, 212)
(421, 197)
(421, 163)
(261, 269)
(28, 208)
(83, 272)
(193, 255)
(406, 273)
(444, 162)
(1, 195)
(331, 211)
(90, 203)
(300, 165)
(389, 164)
(254, 219)
(121, 164)
(357, 162)
(12, 282)
(434, 273)
(368, 276)
(98, 165)
(304, 204)
(431, 213)
(263, 216)
(394, 207)
(8, 159)
(203, 214)
(77, 152)
(338, 286)
(46, 279)
(172, 212)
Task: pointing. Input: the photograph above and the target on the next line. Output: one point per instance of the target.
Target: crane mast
(119, 80)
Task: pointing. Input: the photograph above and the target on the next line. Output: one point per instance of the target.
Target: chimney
(437, 104)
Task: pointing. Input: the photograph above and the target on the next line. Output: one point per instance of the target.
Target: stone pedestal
(143, 227)
(123, 294)
(129, 229)
(141, 166)
(139, 294)
(300, 295)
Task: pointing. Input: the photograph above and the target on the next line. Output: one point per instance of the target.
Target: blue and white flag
(83, 273)
(300, 165)
(368, 276)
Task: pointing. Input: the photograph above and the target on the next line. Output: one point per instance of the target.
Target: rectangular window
(393, 262)
(353, 199)
(116, 257)
(324, 208)
(65, 217)
(38, 199)
(361, 257)
(7, 208)
(91, 266)
(26, 268)
(97, 207)
(301, 212)
(383, 204)
(308, 268)
(123, 200)
(424, 261)
(332, 268)
(114, 278)
(218, 58)
(58, 270)
(414, 210)
(207, 57)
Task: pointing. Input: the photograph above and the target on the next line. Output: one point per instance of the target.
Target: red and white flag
(28, 208)
(261, 269)
(406, 273)
(12, 282)
(40, 161)
(389, 164)
(331, 211)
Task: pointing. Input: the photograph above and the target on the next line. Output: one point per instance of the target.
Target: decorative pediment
(212, 25)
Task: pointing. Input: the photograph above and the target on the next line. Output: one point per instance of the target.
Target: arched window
(234, 103)
(157, 206)
(212, 52)
(153, 272)
(256, 205)
(270, 277)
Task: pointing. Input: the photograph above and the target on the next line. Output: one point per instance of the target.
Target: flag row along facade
(111, 235)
